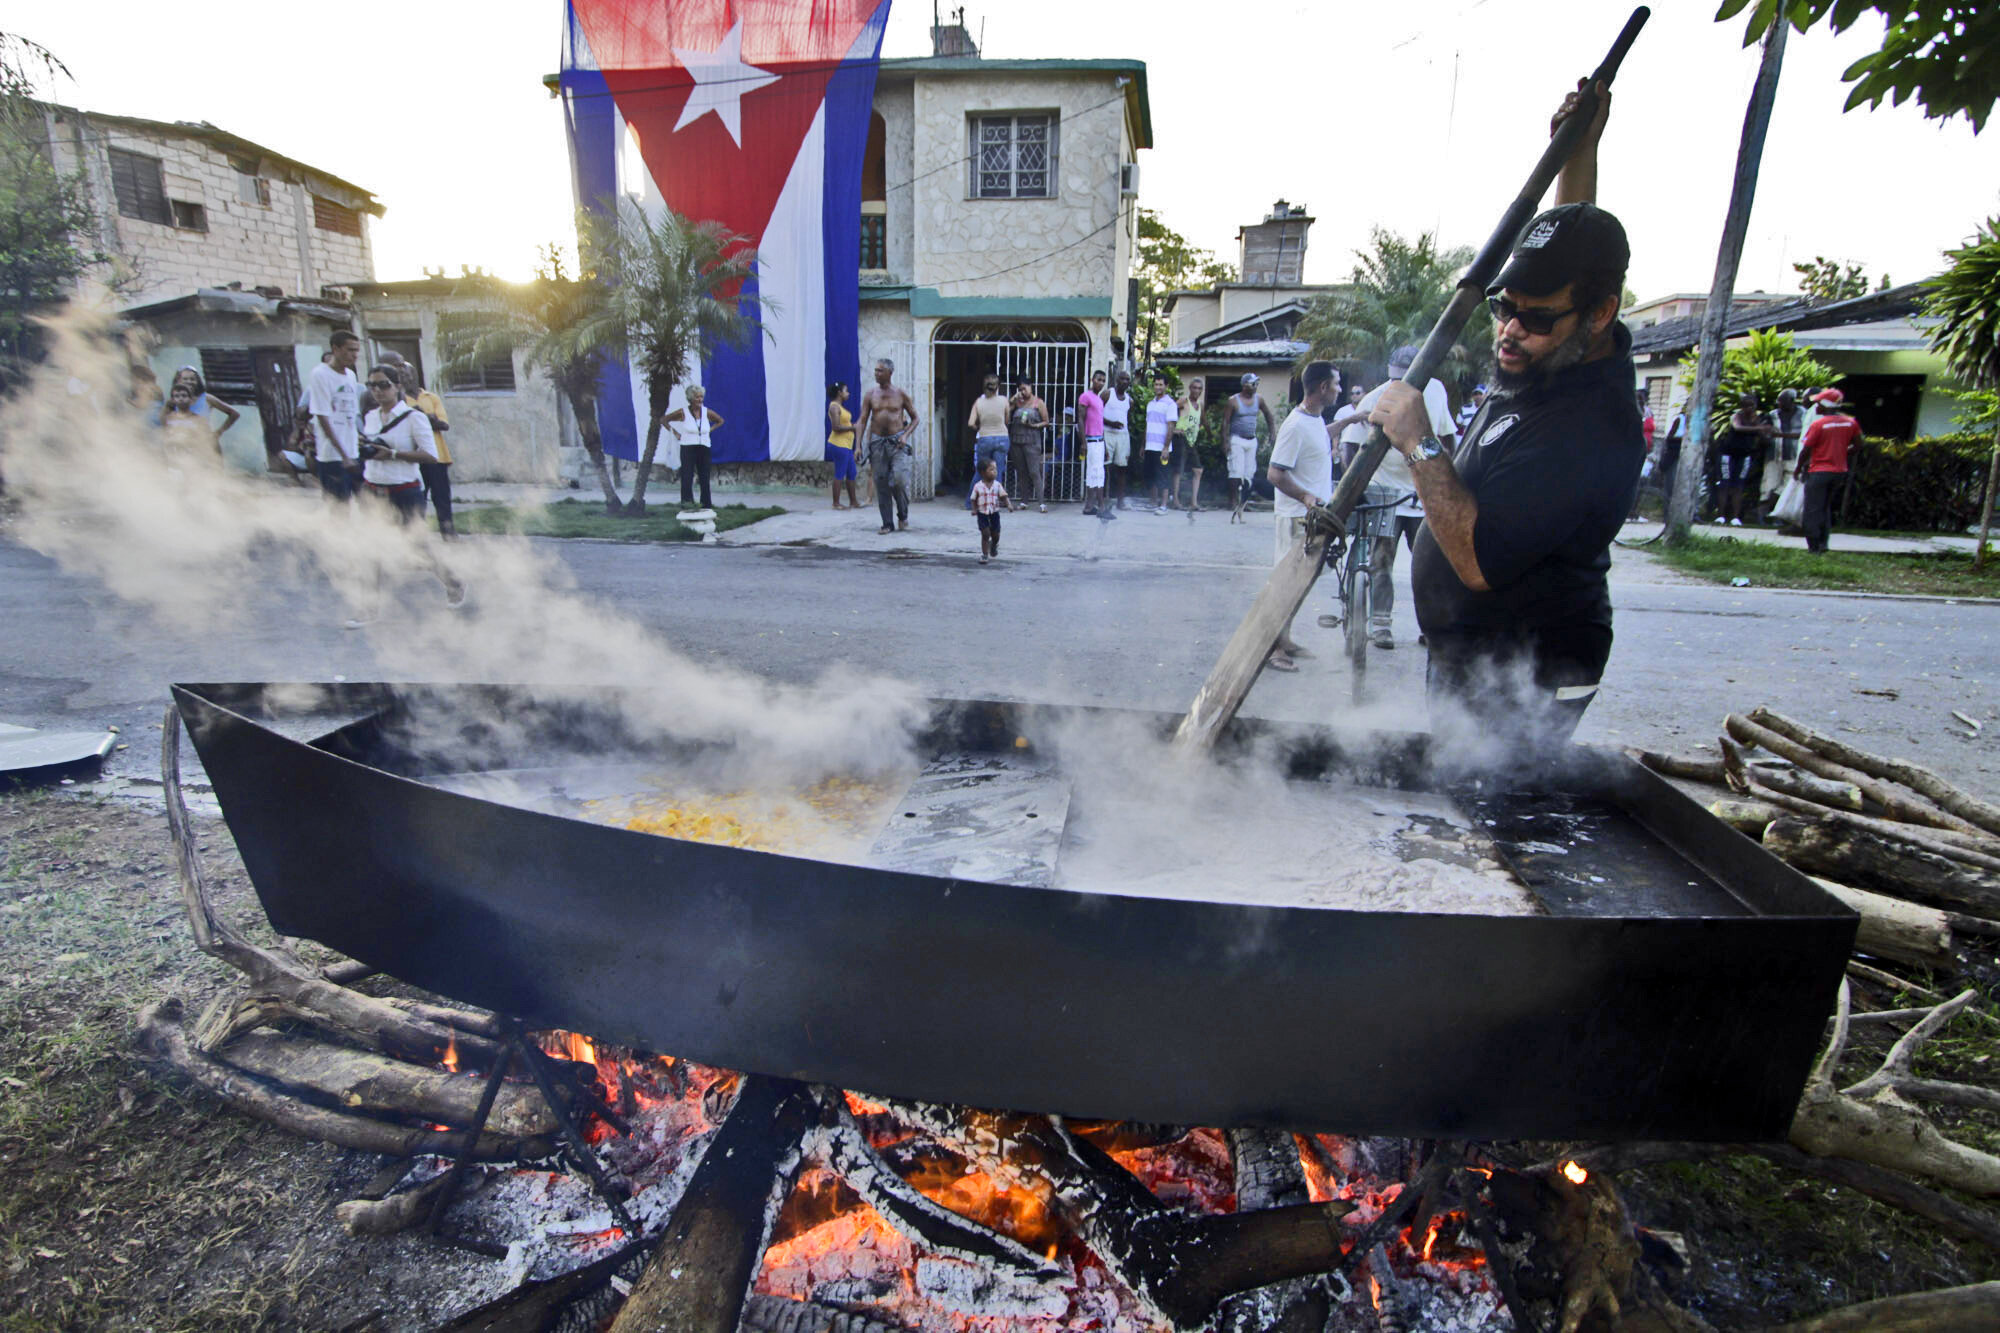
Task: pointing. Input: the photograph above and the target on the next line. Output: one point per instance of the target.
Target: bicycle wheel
(1648, 520)
(1357, 618)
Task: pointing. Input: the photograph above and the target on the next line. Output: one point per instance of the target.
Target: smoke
(201, 546)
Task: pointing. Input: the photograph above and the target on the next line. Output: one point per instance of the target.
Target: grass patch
(586, 518)
(127, 1199)
(1766, 565)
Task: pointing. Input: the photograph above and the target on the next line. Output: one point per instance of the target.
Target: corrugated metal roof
(1677, 335)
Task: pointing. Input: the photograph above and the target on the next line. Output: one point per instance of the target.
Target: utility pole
(1708, 364)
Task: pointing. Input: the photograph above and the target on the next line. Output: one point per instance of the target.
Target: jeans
(987, 449)
(1822, 498)
(437, 486)
(694, 461)
(337, 481)
(890, 461)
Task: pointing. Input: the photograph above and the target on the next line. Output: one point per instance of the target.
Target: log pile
(298, 1047)
(1918, 859)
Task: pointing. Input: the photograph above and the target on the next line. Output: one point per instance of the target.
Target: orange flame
(1575, 1173)
(450, 1060)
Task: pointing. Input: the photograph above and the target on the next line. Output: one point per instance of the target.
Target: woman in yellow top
(840, 444)
(1185, 431)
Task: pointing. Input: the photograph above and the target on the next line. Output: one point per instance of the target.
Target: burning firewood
(1179, 1267)
(701, 1270)
(160, 1032)
(1570, 1249)
(375, 1085)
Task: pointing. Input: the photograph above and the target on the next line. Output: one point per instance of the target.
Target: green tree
(1765, 365)
(567, 326)
(676, 288)
(1942, 52)
(1399, 289)
(1165, 262)
(1965, 302)
(45, 217)
(1826, 280)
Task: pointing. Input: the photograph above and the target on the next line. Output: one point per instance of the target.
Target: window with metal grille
(874, 241)
(141, 191)
(1014, 156)
(190, 216)
(229, 373)
(329, 216)
(495, 374)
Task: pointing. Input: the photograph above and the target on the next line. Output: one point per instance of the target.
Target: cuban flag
(753, 114)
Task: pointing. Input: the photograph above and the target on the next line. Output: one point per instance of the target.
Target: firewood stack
(1919, 859)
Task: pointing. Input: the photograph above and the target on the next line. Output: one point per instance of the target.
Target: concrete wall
(496, 435)
(257, 245)
(954, 237)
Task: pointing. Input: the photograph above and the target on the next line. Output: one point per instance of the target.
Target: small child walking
(987, 497)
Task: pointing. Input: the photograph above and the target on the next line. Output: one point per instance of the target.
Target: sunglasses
(380, 384)
(1534, 321)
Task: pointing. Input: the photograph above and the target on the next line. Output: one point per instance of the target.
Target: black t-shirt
(1553, 468)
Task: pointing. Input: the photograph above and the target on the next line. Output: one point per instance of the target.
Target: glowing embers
(832, 817)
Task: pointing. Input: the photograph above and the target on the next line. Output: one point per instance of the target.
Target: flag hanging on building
(753, 114)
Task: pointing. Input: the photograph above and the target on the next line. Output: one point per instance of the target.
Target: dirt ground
(129, 1200)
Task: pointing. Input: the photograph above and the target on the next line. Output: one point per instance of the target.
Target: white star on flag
(720, 80)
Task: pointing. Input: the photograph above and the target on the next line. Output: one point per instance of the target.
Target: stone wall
(255, 244)
(1066, 246)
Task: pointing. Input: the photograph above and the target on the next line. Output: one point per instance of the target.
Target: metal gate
(1059, 371)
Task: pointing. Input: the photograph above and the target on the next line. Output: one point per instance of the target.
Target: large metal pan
(1674, 988)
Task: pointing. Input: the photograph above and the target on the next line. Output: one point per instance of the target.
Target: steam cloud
(194, 542)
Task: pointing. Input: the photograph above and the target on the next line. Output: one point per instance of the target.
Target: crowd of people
(1758, 453)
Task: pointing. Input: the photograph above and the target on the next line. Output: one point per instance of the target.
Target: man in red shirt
(1823, 464)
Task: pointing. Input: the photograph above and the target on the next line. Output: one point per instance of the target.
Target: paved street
(1132, 615)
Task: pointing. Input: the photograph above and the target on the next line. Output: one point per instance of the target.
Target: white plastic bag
(1791, 506)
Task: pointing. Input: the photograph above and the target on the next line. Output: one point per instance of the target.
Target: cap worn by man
(1565, 241)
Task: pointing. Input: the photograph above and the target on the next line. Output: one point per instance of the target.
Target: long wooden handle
(1243, 657)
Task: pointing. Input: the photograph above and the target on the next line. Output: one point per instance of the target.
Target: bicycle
(1351, 556)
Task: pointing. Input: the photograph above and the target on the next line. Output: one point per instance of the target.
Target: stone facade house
(235, 257)
(999, 216)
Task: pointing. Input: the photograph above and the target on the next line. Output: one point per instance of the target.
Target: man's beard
(1562, 356)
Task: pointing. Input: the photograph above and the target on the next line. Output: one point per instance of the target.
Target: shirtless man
(891, 418)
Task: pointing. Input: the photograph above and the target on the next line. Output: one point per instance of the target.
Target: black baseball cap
(1559, 245)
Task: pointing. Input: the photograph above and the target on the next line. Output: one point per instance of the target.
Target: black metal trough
(1675, 985)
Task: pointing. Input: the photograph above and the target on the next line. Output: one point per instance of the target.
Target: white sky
(1413, 117)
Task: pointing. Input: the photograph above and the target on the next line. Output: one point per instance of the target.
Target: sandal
(1330, 622)
(1276, 663)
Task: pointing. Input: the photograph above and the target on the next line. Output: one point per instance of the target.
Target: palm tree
(568, 326)
(675, 287)
(1965, 302)
(1399, 289)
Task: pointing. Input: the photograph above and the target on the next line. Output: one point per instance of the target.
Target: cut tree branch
(1983, 814)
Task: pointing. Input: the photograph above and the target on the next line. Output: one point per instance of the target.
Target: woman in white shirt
(693, 427)
(395, 442)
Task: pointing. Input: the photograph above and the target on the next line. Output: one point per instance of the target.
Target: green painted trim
(926, 302)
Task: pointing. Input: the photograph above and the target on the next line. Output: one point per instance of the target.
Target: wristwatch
(1427, 448)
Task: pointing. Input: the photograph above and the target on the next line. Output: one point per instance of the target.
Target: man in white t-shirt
(1301, 474)
(333, 396)
(1392, 481)
(1161, 414)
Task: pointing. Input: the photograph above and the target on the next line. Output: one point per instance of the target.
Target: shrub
(1932, 484)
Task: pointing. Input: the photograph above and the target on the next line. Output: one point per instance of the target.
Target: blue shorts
(843, 462)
